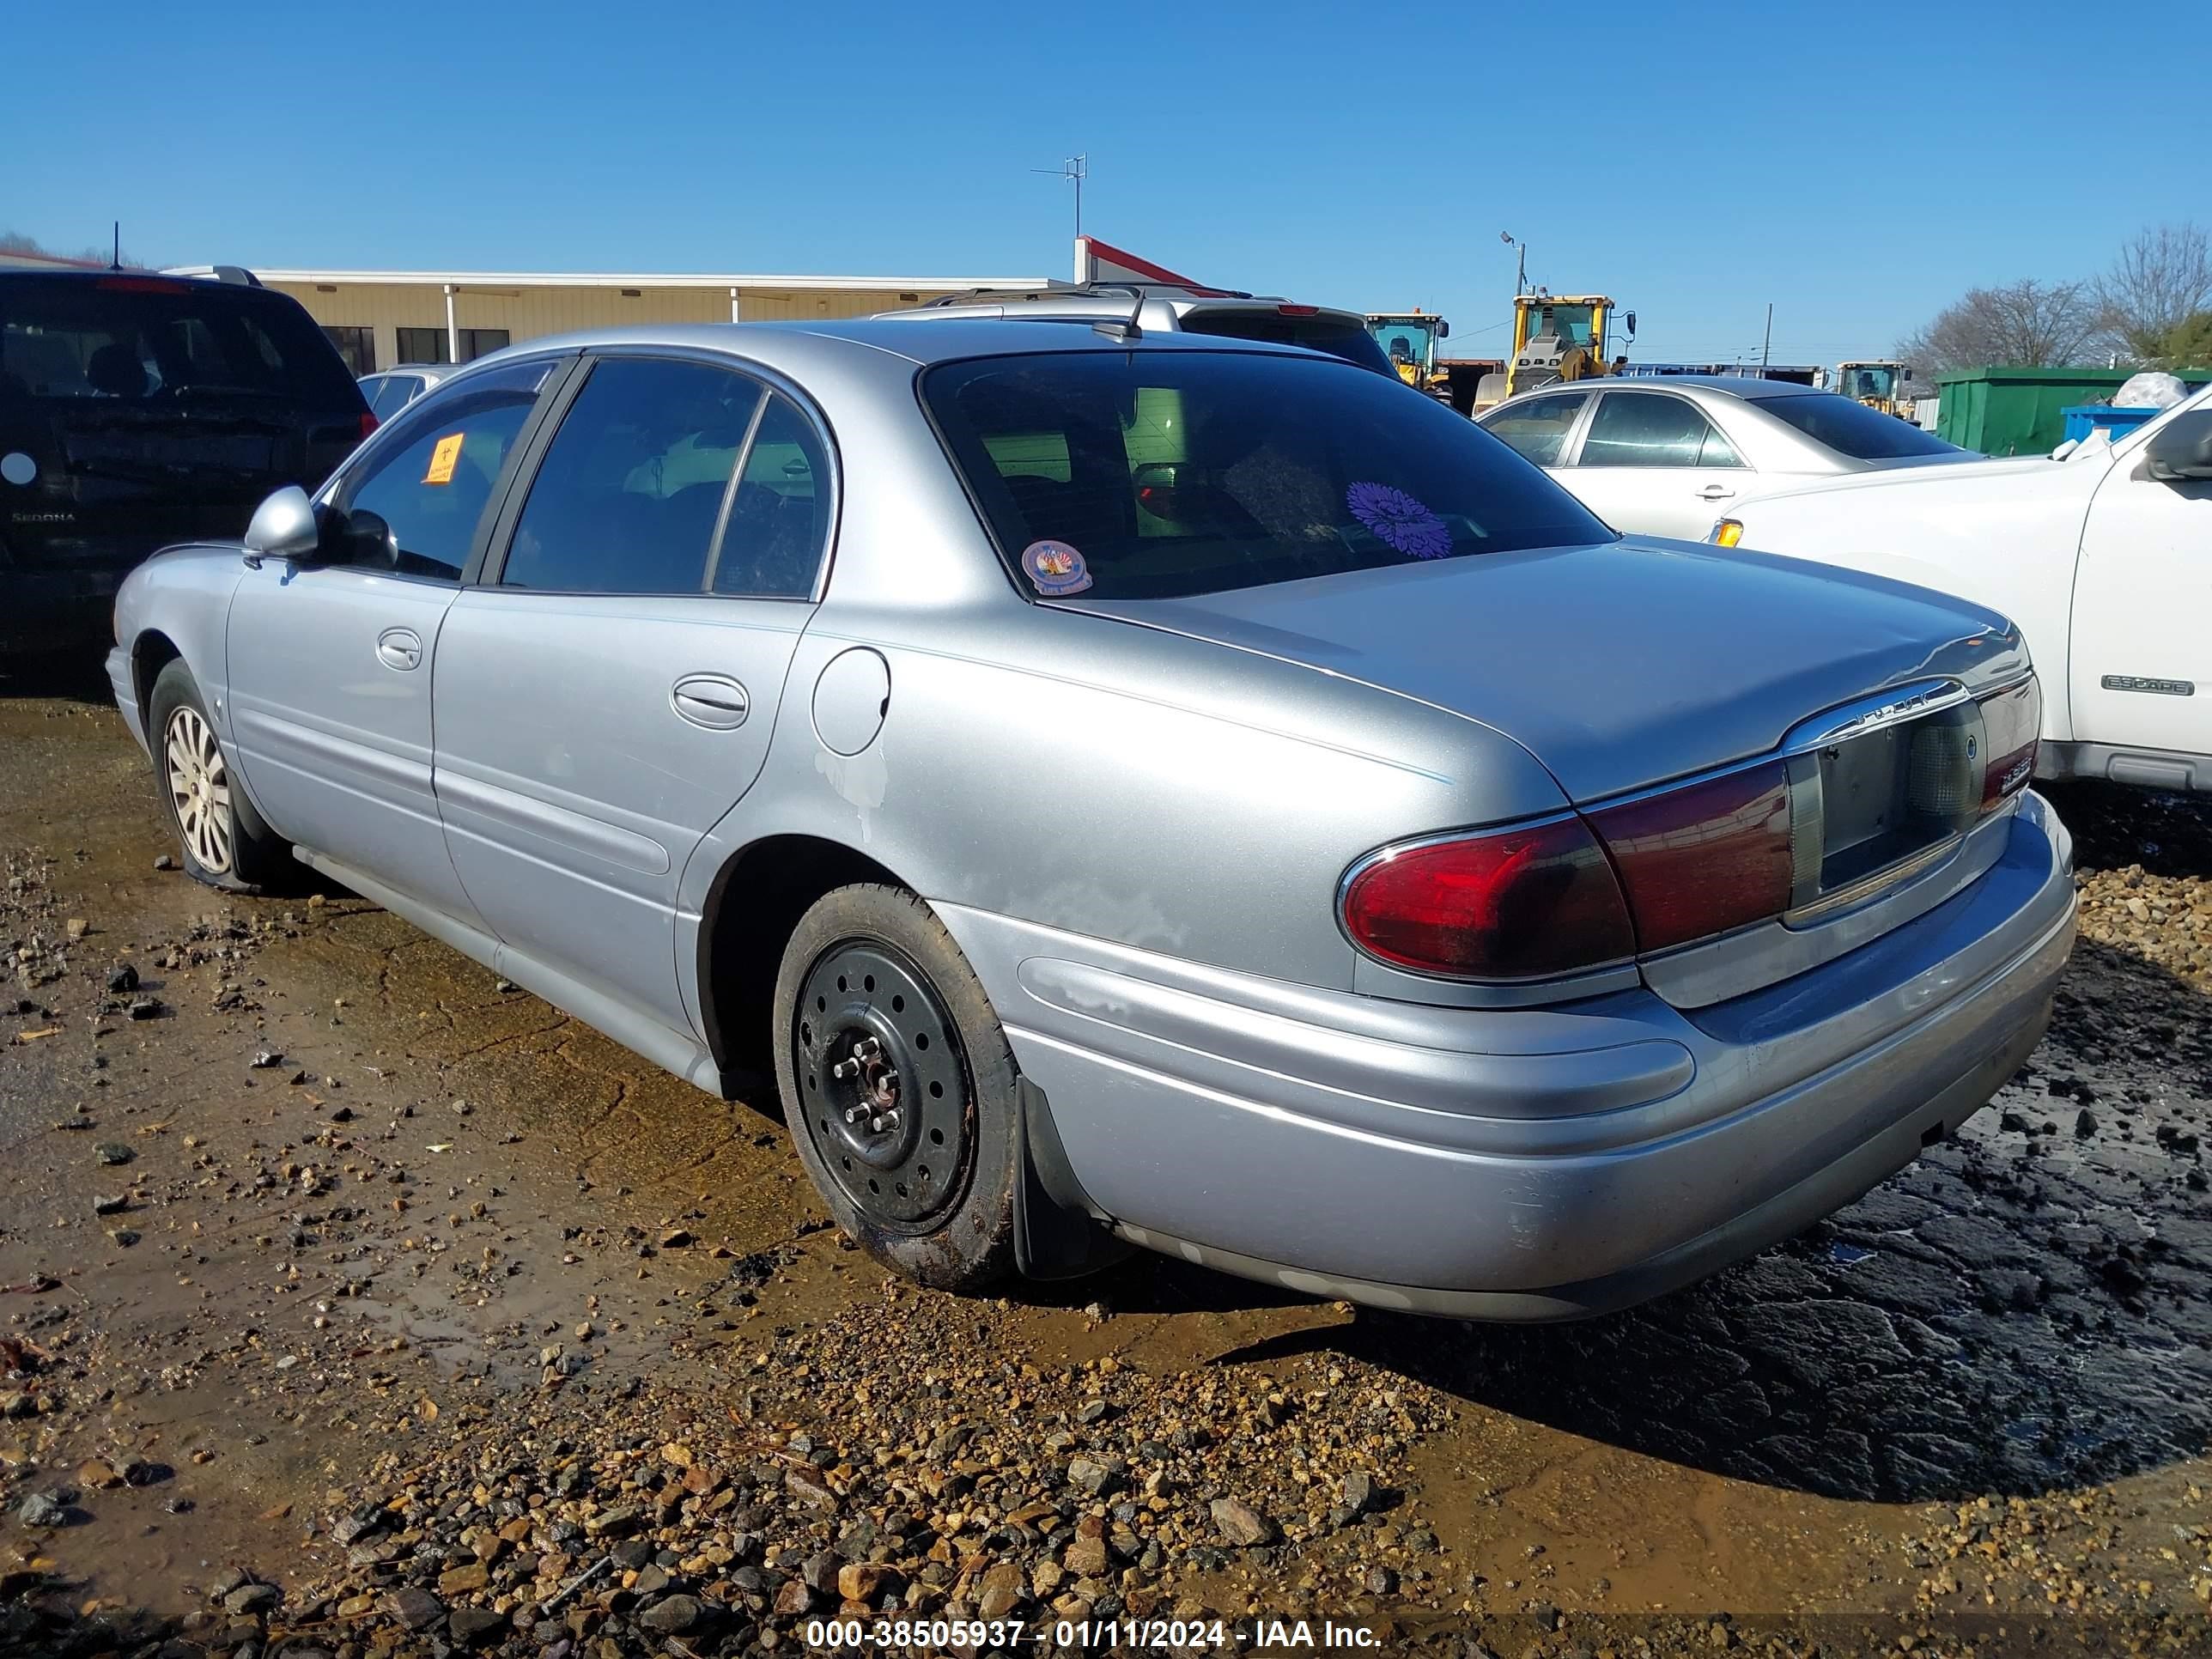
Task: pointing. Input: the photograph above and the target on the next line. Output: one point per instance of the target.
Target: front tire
(898, 1086)
(224, 841)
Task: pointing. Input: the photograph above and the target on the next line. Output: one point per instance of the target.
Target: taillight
(1297, 310)
(2011, 722)
(1711, 856)
(1529, 902)
(368, 423)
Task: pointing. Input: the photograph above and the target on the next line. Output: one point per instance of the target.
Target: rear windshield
(1350, 341)
(1173, 473)
(1851, 429)
(155, 342)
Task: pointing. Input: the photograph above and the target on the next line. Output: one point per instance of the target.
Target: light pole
(1075, 169)
(1520, 275)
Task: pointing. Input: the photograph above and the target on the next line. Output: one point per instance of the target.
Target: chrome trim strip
(1884, 708)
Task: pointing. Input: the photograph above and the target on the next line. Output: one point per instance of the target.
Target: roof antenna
(115, 260)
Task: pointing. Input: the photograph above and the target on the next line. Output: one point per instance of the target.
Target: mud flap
(1055, 1234)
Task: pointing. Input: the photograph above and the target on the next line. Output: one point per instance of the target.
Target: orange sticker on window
(443, 458)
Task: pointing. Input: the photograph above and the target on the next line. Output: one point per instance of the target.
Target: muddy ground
(355, 1302)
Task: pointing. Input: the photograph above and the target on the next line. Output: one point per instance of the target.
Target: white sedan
(1667, 455)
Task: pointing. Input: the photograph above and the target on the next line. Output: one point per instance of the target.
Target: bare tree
(2026, 323)
(15, 241)
(2160, 281)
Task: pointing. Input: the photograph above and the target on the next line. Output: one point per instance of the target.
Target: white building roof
(517, 279)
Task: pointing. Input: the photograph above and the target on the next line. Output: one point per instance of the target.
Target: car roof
(793, 345)
(1743, 386)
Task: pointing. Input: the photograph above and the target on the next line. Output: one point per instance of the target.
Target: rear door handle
(400, 648)
(713, 701)
(1715, 493)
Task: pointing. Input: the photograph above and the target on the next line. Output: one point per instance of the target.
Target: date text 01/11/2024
(1260, 1636)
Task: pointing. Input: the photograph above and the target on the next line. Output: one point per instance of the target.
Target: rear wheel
(224, 841)
(898, 1086)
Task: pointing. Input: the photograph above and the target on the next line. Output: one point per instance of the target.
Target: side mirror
(1443, 330)
(2182, 450)
(283, 527)
(1629, 317)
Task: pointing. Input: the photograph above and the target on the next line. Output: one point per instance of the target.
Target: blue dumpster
(2081, 419)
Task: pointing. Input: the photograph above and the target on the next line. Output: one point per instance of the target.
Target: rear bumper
(56, 610)
(1521, 1163)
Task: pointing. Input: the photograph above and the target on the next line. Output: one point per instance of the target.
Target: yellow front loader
(1564, 336)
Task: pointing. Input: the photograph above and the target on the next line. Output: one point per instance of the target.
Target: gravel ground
(354, 1304)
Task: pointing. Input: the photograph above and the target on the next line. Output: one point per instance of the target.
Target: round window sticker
(17, 468)
(1055, 569)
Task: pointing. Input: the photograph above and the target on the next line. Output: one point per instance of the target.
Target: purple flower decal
(1399, 521)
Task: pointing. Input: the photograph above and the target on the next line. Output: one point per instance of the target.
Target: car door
(608, 693)
(1538, 428)
(1652, 464)
(330, 659)
(2141, 662)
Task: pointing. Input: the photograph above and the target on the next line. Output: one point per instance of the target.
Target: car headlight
(1725, 532)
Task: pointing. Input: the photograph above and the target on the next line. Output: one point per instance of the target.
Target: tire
(224, 841)
(912, 1143)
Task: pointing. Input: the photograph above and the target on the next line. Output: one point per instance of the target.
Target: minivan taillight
(1529, 901)
(368, 423)
(1711, 856)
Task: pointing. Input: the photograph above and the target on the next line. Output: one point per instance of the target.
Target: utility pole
(1766, 344)
(1074, 169)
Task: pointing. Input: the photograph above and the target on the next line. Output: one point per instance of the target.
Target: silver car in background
(1666, 455)
(390, 390)
(1134, 784)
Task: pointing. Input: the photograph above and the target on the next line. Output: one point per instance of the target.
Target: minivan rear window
(1178, 472)
(1350, 341)
(161, 341)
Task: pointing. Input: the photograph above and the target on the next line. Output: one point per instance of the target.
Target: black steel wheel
(899, 1086)
(890, 1106)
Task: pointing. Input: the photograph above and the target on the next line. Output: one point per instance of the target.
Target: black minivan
(139, 409)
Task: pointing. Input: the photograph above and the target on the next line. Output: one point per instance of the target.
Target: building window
(427, 345)
(355, 344)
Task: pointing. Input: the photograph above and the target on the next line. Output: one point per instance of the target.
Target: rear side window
(162, 342)
(630, 497)
(394, 393)
(1649, 428)
(1350, 342)
(779, 517)
(1537, 430)
(414, 507)
(1851, 429)
(1174, 472)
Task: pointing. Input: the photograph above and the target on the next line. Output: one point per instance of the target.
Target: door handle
(713, 701)
(1715, 493)
(400, 648)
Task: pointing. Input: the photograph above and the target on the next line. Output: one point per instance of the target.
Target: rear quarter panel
(1120, 783)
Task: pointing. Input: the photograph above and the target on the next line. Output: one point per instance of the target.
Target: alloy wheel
(199, 789)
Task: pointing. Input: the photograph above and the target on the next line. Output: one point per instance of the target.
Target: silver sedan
(1667, 455)
(1138, 787)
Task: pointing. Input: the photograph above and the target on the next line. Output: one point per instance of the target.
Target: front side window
(393, 394)
(413, 509)
(1178, 472)
(1537, 430)
(631, 495)
(1651, 428)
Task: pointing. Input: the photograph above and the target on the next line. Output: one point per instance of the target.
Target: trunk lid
(1620, 665)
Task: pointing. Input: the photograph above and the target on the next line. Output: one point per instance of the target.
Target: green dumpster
(2018, 412)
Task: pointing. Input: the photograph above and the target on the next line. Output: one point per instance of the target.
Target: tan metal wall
(526, 313)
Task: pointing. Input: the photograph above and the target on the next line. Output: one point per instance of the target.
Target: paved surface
(435, 1183)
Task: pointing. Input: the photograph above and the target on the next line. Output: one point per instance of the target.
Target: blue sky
(1859, 165)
